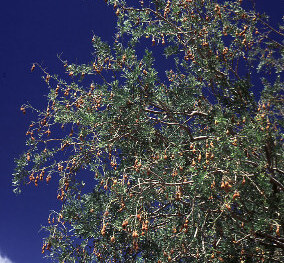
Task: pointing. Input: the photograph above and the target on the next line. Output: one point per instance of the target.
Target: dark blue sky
(36, 31)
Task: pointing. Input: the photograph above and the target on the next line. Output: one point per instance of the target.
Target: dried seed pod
(33, 67)
(23, 110)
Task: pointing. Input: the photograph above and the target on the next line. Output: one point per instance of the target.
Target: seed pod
(47, 78)
(199, 157)
(33, 67)
(236, 194)
(163, 40)
(153, 41)
(125, 224)
(139, 217)
(23, 110)
(228, 207)
(277, 230)
(103, 230)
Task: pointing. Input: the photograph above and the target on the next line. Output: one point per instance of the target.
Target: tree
(184, 166)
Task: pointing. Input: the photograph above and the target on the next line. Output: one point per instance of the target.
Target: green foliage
(184, 165)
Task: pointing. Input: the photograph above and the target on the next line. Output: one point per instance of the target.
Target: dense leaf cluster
(184, 165)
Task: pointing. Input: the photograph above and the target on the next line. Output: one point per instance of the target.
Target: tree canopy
(166, 158)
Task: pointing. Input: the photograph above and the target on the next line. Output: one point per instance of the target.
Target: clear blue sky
(36, 31)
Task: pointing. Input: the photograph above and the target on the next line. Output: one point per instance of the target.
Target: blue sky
(36, 31)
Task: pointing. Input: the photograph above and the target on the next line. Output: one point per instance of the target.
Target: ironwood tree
(168, 145)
